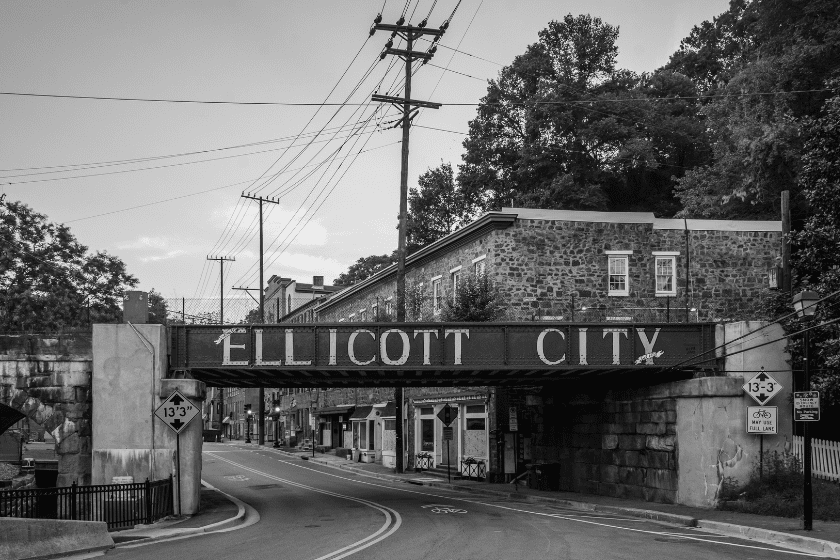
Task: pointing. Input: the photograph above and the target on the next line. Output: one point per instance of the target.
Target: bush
(477, 298)
(778, 491)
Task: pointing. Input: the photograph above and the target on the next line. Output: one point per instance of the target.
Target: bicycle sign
(438, 508)
(762, 419)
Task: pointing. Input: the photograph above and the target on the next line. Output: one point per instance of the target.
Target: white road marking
(357, 546)
(558, 516)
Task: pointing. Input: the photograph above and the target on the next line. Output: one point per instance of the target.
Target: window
(619, 281)
(352, 317)
(427, 434)
(666, 272)
(371, 436)
(389, 307)
(391, 425)
(479, 265)
(374, 311)
(455, 274)
(436, 294)
(475, 409)
(476, 423)
(362, 315)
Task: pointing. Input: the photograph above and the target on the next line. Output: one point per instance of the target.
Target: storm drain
(264, 486)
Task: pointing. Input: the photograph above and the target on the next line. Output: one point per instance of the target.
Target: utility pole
(221, 284)
(405, 104)
(262, 305)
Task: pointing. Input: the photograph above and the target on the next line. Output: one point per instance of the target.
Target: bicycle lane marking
(392, 517)
(699, 538)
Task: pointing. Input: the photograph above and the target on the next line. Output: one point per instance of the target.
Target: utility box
(136, 308)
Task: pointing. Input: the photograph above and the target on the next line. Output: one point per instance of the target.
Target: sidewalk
(217, 511)
(781, 531)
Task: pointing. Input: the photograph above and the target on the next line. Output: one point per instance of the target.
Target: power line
(456, 72)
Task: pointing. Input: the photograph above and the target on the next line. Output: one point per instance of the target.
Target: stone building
(616, 435)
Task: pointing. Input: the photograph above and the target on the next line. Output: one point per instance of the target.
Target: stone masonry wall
(624, 449)
(49, 380)
(542, 264)
(416, 275)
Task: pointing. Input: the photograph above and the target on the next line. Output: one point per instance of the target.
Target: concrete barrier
(48, 538)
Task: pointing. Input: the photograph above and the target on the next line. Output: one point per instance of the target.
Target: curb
(166, 533)
(787, 540)
(767, 536)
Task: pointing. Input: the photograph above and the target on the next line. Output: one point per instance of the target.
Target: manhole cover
(264, 486)
(311, 526)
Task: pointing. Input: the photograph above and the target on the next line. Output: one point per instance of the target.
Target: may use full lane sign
(177, 411)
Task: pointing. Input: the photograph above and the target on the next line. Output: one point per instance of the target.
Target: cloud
(165, 256)
(146, 243)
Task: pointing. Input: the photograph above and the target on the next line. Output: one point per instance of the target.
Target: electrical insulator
(433, 50)
(401, 20)
(382, 56)
(422, 23)
(436, 39)
(444, 26)
(372, 31)
(378, 18)
(390, 43)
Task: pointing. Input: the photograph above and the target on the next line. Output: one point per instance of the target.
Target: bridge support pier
(129, 366)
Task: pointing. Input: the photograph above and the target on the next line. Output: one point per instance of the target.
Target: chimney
(317, 281)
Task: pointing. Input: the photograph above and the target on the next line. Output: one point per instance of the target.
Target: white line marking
(558, 516)
(362, 544)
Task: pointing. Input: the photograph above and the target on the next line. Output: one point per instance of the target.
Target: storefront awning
(333, 410)
(361, 412)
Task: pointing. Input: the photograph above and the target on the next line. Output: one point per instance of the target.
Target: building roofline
(487, 221)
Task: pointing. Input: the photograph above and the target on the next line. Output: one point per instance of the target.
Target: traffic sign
(762, 419)
(762, 387)
(806, 406)
(448, 433)
(447, 414)
(177, 411)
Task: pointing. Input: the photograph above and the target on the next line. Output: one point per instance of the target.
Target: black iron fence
(119, 505)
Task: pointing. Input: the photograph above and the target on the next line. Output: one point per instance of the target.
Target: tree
(158, 309)
(48, 280)
(563, 127)
(816, 256)
(363, 268)
(436, 208)
(477, 298)
(746, 60)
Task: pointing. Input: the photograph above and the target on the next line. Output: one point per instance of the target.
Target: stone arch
(48, 379)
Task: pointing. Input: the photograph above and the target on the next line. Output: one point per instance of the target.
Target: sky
(334, 169)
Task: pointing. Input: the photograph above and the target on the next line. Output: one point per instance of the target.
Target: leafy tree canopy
(48, 280)
(564, 127)
(436, 208)
(363, 268)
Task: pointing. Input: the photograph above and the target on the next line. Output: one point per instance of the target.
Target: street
(313, 512)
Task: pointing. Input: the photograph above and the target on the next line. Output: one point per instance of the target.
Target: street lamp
(248, 426)
(276, 426)
(805, 304)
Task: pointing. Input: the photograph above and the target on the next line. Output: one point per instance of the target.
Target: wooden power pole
(221, 284)
(406, 105)
(261, 411)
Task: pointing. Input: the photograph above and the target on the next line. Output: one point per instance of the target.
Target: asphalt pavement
(310, 509)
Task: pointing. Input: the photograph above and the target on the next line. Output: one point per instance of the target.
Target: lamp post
(248, 426)
(805, 304)
(276, 426)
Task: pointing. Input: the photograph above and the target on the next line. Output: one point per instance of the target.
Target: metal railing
(119, 505)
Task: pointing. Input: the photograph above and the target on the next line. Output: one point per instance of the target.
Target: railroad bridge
(99, 399)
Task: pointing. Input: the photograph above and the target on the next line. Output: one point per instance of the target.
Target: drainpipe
(148, 345)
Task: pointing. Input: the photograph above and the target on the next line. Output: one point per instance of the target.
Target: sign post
(176, 412)
(762, 419)
(447, 415)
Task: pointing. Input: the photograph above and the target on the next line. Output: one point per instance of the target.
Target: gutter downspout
(151, 349)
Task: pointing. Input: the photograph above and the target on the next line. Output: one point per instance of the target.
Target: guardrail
(825, 457)
(119, 505)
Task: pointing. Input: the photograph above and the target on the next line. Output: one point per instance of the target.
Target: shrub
(478, 298)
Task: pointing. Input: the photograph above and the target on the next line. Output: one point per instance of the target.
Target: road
(311, 512)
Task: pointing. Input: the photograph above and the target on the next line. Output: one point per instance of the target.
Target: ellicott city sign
(436, 345)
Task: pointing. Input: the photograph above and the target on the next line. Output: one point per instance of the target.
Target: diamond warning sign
(177, 411)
